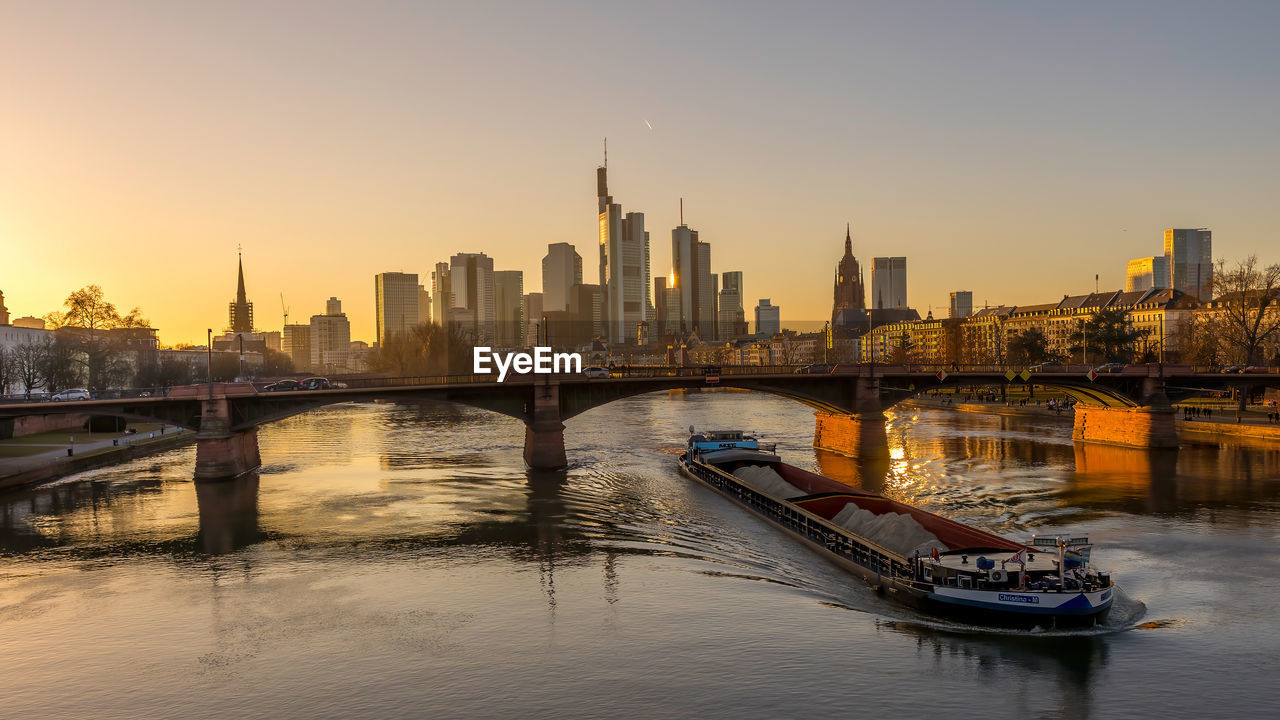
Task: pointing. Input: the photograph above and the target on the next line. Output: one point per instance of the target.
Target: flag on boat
(1019, 557)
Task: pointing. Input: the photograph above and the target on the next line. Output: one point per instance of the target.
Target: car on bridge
(1110, 368)
(815, 369)
(596, 372)
(1050, 366)
(1255, 369)
(314, 383)
(71, 394)
(283, 386)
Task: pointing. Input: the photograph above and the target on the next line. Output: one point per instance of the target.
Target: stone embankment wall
(32, 424)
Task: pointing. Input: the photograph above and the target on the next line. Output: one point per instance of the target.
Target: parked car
(1110, 368)
(283, 386)
(596, 371)
(314, 383)
(1051, 366)
(71, 394)
(1255, 369)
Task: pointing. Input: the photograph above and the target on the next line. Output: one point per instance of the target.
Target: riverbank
(1200, 430)
(27, 461)
(990, 408)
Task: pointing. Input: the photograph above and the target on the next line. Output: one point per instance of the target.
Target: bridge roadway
(1131, 407)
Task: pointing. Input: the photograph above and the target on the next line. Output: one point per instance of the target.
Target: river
(399, 561)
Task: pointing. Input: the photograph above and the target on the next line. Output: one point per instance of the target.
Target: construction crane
(285, 309)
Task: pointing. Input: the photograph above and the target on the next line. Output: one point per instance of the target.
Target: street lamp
(209, 366)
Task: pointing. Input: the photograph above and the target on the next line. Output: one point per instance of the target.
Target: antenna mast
(682, 211)
(606, 153)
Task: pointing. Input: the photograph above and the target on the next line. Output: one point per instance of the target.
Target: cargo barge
(928, 562)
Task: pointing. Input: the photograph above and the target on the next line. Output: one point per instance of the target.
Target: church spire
(848, 240)
(240, 294)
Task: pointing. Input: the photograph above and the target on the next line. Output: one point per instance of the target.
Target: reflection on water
(228, 514)
(399, 561)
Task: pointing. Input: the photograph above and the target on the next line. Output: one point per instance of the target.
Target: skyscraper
(508, 308)
(395, 299)
(532, 306)
(691, 269)
(768, 319)
(240, 312)
(471, 283)
(424, 305)
(561, 270)
(441, 295)
(586, 308)
(1146, 274)
(961, 304)
(732, 315)
(1189, 255)
(889, 283)
(624, 265)
(850, 293)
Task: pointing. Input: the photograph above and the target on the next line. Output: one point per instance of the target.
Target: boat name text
(1028, 599)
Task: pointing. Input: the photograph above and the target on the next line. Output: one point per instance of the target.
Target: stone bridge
(1126, 408)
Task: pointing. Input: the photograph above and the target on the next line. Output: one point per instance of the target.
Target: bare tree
(91, 317)
(27, 360)
(7, 372)
(1246, 296)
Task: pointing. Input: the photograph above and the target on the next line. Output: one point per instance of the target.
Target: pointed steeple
(240, 295)
(848, 240)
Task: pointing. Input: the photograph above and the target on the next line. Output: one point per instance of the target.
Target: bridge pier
(222, 453)
(1150, 425)
(544, 430)
(1139, 427)
(860, 434)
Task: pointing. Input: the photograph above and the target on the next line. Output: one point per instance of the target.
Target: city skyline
(113, 178)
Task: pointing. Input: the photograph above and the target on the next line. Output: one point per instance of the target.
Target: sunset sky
(1013, 149)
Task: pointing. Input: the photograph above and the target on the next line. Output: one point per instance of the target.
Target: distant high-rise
(1146, 274)
(768, 318)
(732, 318)
(889, 283)
(532, 306)
(850, 293)
(330, 338)
(961, 304)
(424, 305)
(561, 270)
(471, 282)
(586, 309)
(508, 308)
(295, 341)
(441, 294)
(1189, 255)
(395, 298)
(624, 265)
(240, 313)
(691, 268)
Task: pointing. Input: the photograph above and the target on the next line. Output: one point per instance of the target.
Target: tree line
(88, 352)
